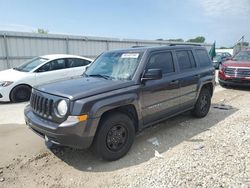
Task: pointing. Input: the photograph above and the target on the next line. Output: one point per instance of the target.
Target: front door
(160, 97)
(52, 71)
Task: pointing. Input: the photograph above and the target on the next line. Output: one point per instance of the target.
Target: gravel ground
(181, 152)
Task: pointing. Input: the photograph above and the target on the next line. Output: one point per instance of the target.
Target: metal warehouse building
(16, 47)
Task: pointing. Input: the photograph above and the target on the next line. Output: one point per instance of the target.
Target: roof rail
(184, 44)
(138, 46)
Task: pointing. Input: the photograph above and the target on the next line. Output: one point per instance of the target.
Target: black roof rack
(184, 44)
(138, 46)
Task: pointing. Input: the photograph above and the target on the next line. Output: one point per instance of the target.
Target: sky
(223, 21)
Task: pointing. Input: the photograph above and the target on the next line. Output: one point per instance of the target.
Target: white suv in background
(16, 83)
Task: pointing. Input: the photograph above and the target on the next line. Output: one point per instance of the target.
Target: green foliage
(171, 40)
(42, 31)
(199, 39)
(223, 47)
(243, 44)
(176, 40)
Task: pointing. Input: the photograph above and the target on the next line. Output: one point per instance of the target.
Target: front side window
(163, 61)
(58, 64)
(53, 65)
(115, 65)
(185, 59)
(31, 64)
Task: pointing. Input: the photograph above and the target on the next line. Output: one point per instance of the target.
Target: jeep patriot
(120, 94)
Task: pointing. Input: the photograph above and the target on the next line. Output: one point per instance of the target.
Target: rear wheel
(203, 104)
(114, 137)
(20, 93)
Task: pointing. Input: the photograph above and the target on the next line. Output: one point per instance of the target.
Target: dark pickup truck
(121, 93)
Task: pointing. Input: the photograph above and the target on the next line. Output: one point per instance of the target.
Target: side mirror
(152, 74)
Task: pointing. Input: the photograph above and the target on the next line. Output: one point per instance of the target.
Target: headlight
(5, 83)
(62, 108)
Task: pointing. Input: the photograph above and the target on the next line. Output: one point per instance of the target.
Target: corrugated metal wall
(17, 47)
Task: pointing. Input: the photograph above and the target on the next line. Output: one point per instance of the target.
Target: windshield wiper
(100, 75)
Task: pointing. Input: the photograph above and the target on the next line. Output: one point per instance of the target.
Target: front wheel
(20, 93)
(114, 137)
(203, 104)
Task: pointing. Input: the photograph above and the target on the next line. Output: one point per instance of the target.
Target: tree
(176, 40)
(243, 43)
(199, 39)
(223, 47)
(42, 31)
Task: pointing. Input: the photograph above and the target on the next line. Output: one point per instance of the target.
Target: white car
(16, 83)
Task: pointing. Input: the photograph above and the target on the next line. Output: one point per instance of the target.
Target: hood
(237, 63)
(12, 75)
(83, 87)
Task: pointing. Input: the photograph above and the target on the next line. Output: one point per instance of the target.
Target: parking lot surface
(180, 152)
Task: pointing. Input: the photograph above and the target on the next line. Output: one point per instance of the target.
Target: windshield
(242, 56)
(115, 65)
(31, 64)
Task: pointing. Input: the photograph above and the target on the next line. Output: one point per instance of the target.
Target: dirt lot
(181, 152)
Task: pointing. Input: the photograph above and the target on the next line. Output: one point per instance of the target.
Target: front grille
(237, 72)
(41, 105)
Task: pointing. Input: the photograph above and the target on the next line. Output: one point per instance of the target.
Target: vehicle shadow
(13, 103)
(168, 133)
(241, 88)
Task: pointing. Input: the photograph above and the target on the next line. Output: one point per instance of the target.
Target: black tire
(203, 104)
(20, 93)
(114, 137)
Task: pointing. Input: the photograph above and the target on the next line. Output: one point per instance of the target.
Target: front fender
(114, 102)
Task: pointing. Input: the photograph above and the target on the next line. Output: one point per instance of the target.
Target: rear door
(52, 71)
(189, 77)
(160, 98)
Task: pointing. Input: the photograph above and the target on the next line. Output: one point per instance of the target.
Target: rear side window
(77, 62)
(163, 61)
(203, 58)
(185, 59)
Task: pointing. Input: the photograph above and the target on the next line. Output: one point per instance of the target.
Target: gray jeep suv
(121, 93)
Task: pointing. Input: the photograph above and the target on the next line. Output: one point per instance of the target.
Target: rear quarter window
(74, 62)
(203, 58)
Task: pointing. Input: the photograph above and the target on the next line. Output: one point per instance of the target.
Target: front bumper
(235, 82)
(5, 94)
(76, 135)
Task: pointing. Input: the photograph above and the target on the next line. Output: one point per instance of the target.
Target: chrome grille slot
(230, 71)
(237, 72)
